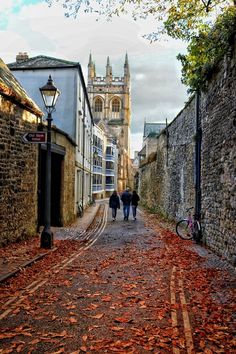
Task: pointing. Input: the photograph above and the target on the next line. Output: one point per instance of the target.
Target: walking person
(134, 203)
(114, 204)
(126, 199)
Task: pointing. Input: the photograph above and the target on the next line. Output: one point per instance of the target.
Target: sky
(157, 93)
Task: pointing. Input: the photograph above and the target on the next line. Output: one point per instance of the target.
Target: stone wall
(18, 174)
(168, 184)
(218, 112)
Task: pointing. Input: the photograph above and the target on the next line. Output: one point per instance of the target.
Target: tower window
(98, 105)
(115, 105)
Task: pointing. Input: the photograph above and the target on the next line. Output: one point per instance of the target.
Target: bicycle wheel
(183, 230)
(197, 232)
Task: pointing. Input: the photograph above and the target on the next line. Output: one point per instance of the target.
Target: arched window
(98, 105)
(115, 105)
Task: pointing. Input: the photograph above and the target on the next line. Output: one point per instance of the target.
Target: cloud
(157, 91)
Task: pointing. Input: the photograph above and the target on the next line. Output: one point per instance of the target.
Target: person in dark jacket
(126, 199)
(134, 202)
(114, 204)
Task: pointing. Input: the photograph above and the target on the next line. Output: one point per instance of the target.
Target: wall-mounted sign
(34, 137)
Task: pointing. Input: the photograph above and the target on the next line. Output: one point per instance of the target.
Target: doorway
(56, 188)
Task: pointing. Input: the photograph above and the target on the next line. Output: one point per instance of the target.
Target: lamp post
(50, 95)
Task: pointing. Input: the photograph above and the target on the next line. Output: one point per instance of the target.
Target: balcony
(97, 188)
(110, 172)
(97, 169)
(110, 157)
(110, 187)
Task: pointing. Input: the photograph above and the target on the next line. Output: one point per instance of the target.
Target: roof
(42, 61)
(12, 89)
(45, 62)
(152, 128)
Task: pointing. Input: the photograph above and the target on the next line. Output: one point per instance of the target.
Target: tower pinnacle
(108, 69)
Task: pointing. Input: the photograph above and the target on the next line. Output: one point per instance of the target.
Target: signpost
(35, 137)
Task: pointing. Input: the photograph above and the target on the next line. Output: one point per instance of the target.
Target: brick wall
(18, 174)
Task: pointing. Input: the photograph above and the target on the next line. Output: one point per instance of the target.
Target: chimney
(21, 57)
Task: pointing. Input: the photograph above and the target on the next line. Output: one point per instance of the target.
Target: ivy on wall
(207, 49)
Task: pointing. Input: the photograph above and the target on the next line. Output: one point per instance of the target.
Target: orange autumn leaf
(123, 319)
(62, 350)
(117, 328)
(106, 298)
(35, 341)
(73, 320)
(98, 316)
(19, 348)
(83, 348)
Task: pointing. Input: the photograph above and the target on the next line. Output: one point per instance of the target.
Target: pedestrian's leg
(124, 212)
(115, 211)
(113, 214)
(128, 208)
(134, 211)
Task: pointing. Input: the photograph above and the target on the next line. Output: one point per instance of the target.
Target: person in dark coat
(126, 199)
(134, 202)
(114, 204)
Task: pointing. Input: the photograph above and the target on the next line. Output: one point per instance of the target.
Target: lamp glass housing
(49, 94)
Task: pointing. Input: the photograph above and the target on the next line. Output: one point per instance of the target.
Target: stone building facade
(18, 161)
(110, 102)
(22, 166)
(73, 113)
(63, 179)
(168, 184)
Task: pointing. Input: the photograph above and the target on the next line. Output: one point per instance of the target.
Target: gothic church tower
(111, 104)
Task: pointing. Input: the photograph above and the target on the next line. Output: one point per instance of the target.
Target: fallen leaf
(117, 328)
(98, 316)
(106, 298)
(123, 319)
(73, 320)
(84, 349)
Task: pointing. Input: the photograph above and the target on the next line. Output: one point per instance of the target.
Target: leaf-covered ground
(138, 289)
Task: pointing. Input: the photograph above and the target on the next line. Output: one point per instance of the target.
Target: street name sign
(34, 137)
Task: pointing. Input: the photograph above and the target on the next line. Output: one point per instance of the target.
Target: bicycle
(189, 228)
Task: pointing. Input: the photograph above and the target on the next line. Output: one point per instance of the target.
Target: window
(98, 105)
(115, 105)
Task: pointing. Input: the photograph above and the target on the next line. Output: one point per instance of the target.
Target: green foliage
(178, 18)
(196, 21)
(186, 18)
(207, 49)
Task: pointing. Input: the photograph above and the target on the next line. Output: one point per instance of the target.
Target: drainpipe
(83, 149)
(167, 143)
(198, 157)
(39, 187)
(91, 163)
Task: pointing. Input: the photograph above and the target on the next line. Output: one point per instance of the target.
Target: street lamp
(50, 95)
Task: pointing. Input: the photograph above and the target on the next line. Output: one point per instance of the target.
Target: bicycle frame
(189, 228)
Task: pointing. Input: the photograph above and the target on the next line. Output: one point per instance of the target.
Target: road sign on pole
(34, 137)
